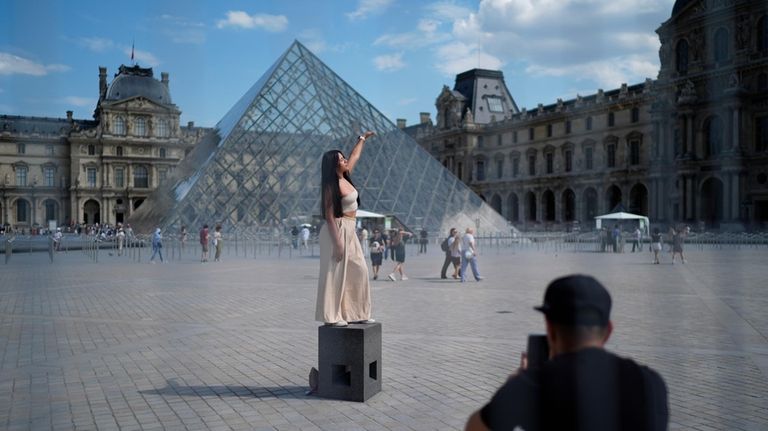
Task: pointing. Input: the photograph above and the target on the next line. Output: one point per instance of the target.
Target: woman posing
(398, 245)
(343, 292)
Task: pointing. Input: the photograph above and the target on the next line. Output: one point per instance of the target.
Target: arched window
(481, 170)
(713, 130)
(119, 151)
(141, 126)
(681, 57)
(721, 45)
(22, 211)
(140, 177)
(119, 126)
(762, 34)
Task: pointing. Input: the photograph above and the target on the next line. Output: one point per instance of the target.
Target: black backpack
(444, 245)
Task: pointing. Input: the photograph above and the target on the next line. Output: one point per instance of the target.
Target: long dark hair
(329, 183)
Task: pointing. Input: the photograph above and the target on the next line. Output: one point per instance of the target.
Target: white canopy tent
(368, 214)
(642, 220)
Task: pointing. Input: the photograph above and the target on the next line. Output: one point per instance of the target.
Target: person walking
(469, 255)
(157, 246)
(398, 245)
(656, 241)
(454, 246)
(376, 247)
(218, 244)
(446, 247)
(678, 237)
(636, 241)
(204, 238)
(343, 289)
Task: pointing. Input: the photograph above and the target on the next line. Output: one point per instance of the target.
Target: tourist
(656, 241)
(397, 243)
(446, 247)
(636, 240)
(218, 244)
(344, 291)
(377, 252)
(469, 255)
(157, 246)
(582, 386)
(204, 238)
(423, 240)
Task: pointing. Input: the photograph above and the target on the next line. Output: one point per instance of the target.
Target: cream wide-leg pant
(343, 290)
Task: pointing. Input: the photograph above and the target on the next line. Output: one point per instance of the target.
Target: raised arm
(355, 155)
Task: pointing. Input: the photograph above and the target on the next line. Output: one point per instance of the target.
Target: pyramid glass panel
(261, 165)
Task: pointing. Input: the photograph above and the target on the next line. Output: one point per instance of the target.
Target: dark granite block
(350, 361)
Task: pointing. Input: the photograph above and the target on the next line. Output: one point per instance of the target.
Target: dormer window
(119, 126)
(162, 130)
(141, 126)
(494, 104)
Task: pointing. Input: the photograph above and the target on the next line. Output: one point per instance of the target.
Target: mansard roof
(41, 125)
(131, 81)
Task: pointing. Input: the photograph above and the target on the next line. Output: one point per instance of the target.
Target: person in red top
(204, 243)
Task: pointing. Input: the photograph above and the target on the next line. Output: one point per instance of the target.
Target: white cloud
(426, 34)
(96, 44)
(11, 64)
(408, 101)
(457, 57)
(78, 101)
(237, 18)
(389, 63)
(447, 11)
(140, 56)
(182, 30)
(608, 73)
(366, 8)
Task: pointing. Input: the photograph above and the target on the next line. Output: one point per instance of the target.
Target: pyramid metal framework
(261, 166)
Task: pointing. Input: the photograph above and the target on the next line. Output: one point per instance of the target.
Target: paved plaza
(189, 346)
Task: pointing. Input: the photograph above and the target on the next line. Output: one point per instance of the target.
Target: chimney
(102, 82)
(424, 118)
(401, 123)
(69, 116)
(164, 78)
(190, 124)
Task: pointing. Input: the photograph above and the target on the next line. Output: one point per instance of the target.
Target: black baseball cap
(577, 300)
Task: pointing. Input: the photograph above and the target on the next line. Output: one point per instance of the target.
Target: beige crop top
(349, 202)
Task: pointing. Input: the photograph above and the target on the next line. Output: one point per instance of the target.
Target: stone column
(735, 198)
(735, 125)
(687, 198)
(690, 136)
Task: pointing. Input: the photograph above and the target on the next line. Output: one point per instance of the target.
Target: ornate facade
(93, 171)
(691, 146)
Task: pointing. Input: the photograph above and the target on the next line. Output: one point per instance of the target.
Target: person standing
(616, 237)
(446, 247)
(398, 246)
(638, 236)
(364, 239)
(218, 244)
(57, 239)
(204, 238)
(183, 237)
(157, 246)
(469, 255)
(423, 240)
(120, 241)
(656, 241)
(678, 237)
(454, 246)
(343, 290)
(304, 237)
(376, 250)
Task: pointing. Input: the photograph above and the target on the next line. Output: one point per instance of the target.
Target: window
(713, 136)
(119, 151)
(119, 177)
(119, 126)
(162, 153)
(635, 114)
(21, 175)
(610, 157)
(162, 175)
(460, 170)
(514, 137)
(499, 168)
(531, 165)
(611, 119)
(162, 129)
(141, 126)
(22, 211)
(568, 126)
(761, 134)
(140, 177)
(568, 160)
(531, 134)
(49, 176)
(480, 170)
(588, 158)
(550, 163)
(91, 150)
(589, 123)
(549, 130)
(498, 140)
(634, 152)
(762, 34)
(722, 53)
(49, 150)
(480, 141)
(515, 167)
(762, 82)
(681, 57)
(21, 148)
(494, 104)
(91, 176)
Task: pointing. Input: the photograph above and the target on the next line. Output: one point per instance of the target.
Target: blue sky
(397, 53)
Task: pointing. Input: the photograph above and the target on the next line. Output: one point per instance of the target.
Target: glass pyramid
(261, 165)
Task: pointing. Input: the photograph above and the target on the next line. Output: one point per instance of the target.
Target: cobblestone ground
(228, 345)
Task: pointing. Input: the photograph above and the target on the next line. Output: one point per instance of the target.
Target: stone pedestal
(349, 361)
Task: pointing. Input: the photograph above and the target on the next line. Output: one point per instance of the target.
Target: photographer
(582, 386)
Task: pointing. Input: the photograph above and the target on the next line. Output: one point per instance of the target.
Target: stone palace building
(688, 147)
(67, 170)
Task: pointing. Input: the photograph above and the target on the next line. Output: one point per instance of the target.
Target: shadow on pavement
(280, 392)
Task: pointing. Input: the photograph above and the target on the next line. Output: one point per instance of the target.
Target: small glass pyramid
(261, 165)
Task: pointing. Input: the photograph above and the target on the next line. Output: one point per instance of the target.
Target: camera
(538, 351)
